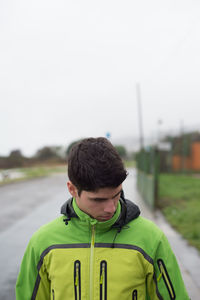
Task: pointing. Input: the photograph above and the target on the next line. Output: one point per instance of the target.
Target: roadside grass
(43, 171)
(179, 200)
(34, 172)
(129, 163)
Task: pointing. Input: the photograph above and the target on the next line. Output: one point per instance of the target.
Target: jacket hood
(129, 212)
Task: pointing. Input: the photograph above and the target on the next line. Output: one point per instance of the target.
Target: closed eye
(99, 199)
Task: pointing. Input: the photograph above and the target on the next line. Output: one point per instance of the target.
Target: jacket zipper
(134, 295)
(77, 280)
(103, 280)
(92, 261)
(165, 275)
(53, 294)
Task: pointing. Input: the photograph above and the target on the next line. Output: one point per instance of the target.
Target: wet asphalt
(27, 205)
(24, 207)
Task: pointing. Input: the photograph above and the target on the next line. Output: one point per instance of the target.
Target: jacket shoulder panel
(143, 233)
(47, 234)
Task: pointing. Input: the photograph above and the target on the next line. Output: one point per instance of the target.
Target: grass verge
(179, 200)
(129, 163)
(34, 172)
(43, 171)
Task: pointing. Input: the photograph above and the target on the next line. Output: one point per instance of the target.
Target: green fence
(147, 175)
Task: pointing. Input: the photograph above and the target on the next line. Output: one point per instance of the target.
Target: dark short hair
(94, 163)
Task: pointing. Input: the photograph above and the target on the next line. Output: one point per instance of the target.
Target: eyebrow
(104, 199)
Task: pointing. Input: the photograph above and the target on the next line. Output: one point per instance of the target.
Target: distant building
(186, 152)
(191, 162)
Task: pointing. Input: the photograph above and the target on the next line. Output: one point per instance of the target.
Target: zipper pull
(76, 281)
(161, 270)
(134, 295)
(166, 278)
(102, 272)
(93, 233)
(103, 281)
(53, 294)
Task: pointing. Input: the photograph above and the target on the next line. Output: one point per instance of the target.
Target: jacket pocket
(164, 274)
(77, 280)
(134, 295)
(103, 280)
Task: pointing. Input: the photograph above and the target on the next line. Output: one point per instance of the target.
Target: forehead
(103, 192)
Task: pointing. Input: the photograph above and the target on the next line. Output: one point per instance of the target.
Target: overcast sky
(69, 68)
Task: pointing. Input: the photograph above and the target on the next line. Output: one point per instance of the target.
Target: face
(100, 205)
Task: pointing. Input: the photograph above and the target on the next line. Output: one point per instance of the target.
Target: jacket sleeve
(170, 284)
(32, 282)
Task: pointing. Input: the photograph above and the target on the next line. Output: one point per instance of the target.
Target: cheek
(117, 200)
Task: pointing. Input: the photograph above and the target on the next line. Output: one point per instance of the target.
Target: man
(100, 248)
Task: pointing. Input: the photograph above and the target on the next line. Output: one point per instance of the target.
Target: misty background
(69, 69)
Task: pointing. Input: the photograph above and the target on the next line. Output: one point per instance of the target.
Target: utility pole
(140, 116)
(182, 142)
(159, 123)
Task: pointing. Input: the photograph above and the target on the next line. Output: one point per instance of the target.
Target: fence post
(147, 178)
(156, 163)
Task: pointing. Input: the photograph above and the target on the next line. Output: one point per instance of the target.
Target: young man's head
(96, 173)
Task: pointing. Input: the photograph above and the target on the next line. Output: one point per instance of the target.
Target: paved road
(25, 206)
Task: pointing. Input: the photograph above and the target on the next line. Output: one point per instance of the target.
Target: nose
(110, 206)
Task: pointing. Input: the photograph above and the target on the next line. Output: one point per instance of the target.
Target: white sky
(69, 68)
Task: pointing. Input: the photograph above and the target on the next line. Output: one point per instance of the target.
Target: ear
(72, 189)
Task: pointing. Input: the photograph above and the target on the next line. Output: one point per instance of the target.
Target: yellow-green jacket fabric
(78, 258)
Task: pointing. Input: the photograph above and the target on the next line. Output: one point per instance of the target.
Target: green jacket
(77, 257)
